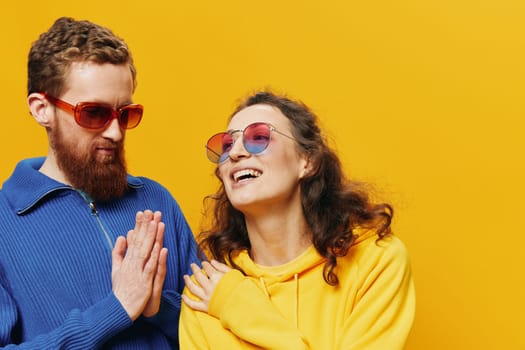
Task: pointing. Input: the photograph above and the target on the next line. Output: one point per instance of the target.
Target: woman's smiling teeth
(245, 174)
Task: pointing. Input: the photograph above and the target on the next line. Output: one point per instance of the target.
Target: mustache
(105, 143)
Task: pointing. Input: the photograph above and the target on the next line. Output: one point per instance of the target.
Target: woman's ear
(307, 168)
(40, 109)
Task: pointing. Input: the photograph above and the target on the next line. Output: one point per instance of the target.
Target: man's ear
(40, 109)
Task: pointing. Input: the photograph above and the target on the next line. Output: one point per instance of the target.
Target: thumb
(118, 252)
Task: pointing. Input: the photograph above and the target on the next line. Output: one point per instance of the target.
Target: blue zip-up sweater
(55, 265)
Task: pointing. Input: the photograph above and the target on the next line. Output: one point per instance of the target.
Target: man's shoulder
(150, 189)
(144, 181)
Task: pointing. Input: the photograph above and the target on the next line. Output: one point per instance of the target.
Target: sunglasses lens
(256, 137)
(93, 117)
(130, 116)
(218, 147)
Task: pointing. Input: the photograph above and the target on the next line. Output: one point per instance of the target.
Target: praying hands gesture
(205, 282)
(139, 266)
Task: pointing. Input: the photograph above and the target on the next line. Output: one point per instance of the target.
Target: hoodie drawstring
(296, 301)
(296, 278)
(263, 285)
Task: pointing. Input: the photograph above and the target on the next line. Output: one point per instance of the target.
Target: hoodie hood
(309, 259)
(272, 278)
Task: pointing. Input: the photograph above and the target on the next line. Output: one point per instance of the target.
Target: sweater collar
(27, 186)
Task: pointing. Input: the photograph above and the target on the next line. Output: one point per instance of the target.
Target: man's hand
(139, 266)
(153, 305)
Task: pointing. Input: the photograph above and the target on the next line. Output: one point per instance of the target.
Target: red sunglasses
(93, 115)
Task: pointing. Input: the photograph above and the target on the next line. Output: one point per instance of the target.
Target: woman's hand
(204, 284)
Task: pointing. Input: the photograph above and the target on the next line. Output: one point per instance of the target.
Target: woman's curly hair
(333, 205)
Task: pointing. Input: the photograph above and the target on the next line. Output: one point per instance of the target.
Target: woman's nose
(238, 151)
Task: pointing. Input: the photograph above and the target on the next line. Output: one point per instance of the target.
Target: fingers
(201, 277)
(220, 266)
(157, 216)
(153, 305)
(201, 304)
(194, 304)
(151, 265)
(144, 236)
(215, 270)
(158, 283)
(203, 283)
(139, 265)
(138, 222)
(159, 235)
(117, 254)
(210, 274)
(208, 268)
(199, 284)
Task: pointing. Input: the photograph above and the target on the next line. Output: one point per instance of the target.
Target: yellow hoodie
(291, 307)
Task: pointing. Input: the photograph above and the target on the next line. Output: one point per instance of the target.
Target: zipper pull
(89, 201)
(93, 208)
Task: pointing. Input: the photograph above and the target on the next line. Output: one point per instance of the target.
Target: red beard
(102, 178)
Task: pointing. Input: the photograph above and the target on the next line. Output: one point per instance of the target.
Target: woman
(300, 258)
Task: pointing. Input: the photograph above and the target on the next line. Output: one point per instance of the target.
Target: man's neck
(51, 169)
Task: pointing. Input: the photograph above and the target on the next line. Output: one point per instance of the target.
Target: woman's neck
(277, 238)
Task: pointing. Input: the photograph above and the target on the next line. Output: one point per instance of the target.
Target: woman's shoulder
(369, 248)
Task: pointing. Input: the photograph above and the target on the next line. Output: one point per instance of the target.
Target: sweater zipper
(94, 212)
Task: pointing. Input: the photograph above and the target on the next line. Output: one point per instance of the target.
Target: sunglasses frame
(75, 111)
(210, 150)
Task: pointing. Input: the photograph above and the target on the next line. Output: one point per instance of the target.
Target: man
(68, 279)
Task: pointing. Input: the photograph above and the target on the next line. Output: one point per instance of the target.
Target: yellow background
(423, 98)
